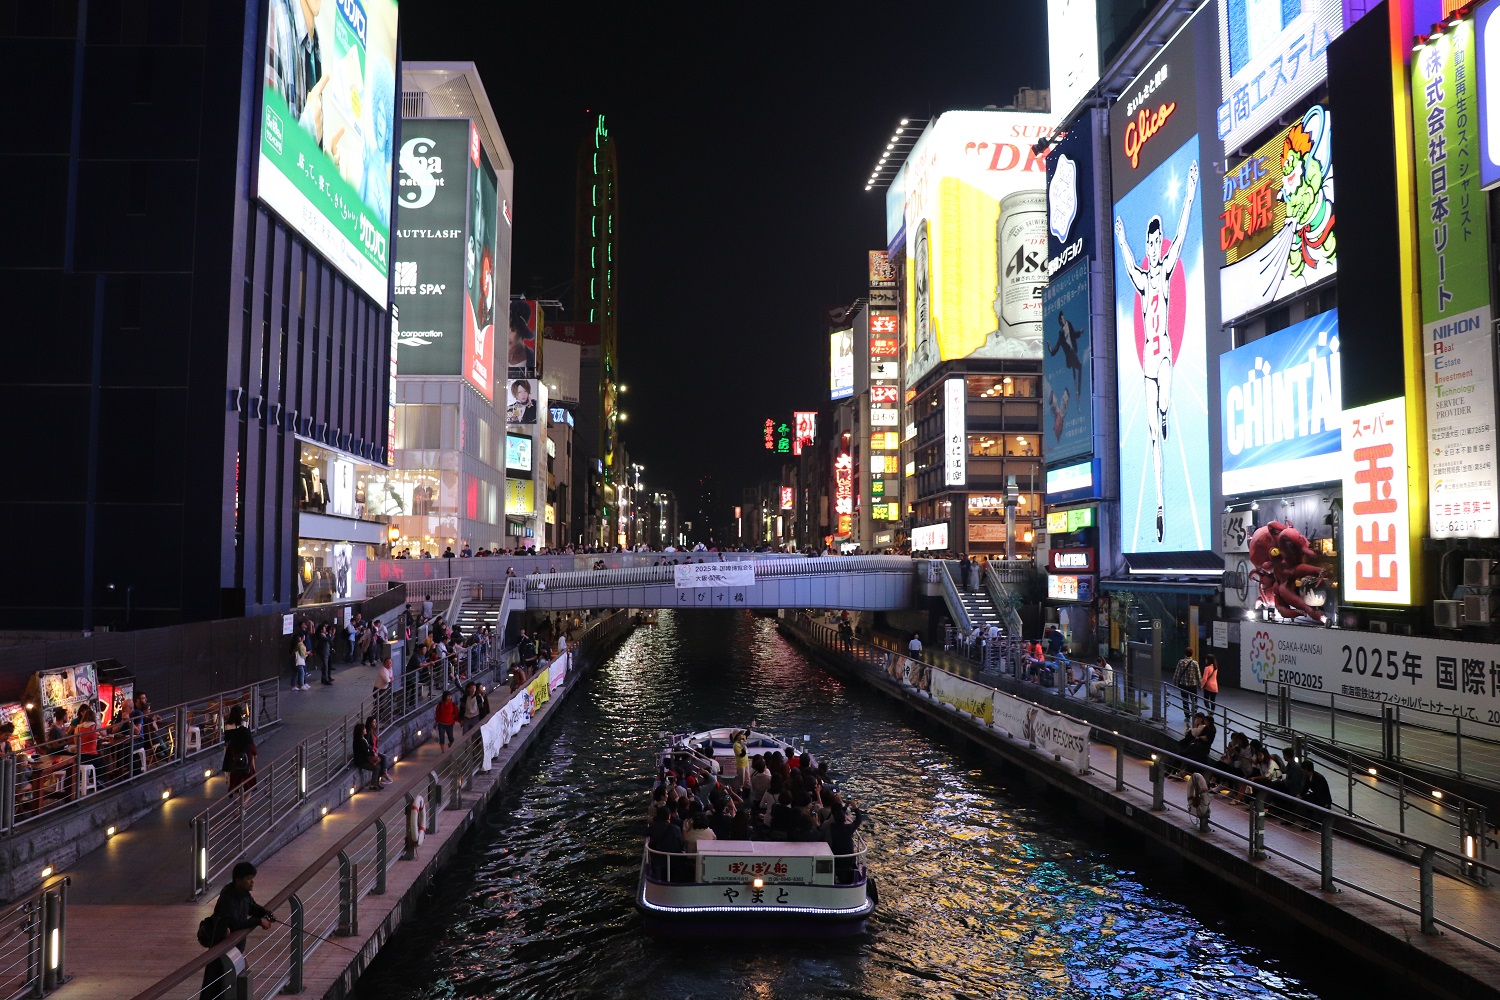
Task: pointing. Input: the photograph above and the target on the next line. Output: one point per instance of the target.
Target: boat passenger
(697, 828)
(666, 837)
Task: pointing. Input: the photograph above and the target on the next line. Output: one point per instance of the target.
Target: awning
(1162, 584)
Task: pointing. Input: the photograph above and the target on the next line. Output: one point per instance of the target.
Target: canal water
(986, 889)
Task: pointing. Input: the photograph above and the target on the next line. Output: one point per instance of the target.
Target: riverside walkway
(1420, 913)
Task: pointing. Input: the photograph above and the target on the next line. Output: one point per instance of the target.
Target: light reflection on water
(984, 893)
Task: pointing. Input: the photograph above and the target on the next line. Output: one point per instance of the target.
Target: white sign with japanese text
(1377, 549)
(955, 445)
(728, 574)
(1271, 54)
(1428, 675)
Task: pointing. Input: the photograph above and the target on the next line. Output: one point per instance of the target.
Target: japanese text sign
(1377, 549)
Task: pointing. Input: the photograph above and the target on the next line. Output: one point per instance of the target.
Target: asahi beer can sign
(1021, 242)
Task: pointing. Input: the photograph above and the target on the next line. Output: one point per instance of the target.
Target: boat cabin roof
(766, 848)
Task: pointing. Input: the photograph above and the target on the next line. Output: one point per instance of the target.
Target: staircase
(981, 610)
(477, 614)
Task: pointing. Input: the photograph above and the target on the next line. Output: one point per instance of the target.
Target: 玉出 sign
(1377, 549)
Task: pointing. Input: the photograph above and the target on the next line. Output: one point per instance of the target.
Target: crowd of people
(469, 552)
(770, 796)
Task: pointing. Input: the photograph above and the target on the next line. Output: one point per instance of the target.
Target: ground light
(110, 832)
(166, 793)
(47, 872)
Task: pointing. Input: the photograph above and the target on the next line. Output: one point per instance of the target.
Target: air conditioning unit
(1477, 572)
(1381, 627)
(1448, 614)
(1477, 607)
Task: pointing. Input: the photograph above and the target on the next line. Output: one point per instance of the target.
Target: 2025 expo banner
(328, 122)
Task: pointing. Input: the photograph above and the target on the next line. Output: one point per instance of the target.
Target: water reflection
(983, 893)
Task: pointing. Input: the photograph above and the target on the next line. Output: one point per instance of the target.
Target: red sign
(770, 434)
(882, 347)
(788, 496)
(883, 393)
(1072, 560)
(843, 485)
(882, 323)
(805, 424)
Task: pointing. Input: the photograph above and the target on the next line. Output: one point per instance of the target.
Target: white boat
(761, 887)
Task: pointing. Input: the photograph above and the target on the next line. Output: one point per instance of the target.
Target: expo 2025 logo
(1263, 657)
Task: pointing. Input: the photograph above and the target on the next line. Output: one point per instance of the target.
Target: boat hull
(697, 909)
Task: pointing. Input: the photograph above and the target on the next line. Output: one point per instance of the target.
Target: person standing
(446, 715)
(1210, 682)
(324, 645)
(299, 665)
(1189, 679)
(239, 751)
(384, 677)
(914, 648)
(234, 910)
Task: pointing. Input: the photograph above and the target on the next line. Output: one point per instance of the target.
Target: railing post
(8, 794)
(1158, 785)
(1333, 718)
(380, 858)
(200, 855)
(1257, 838)
(301, 765)
(55, 937)
(1326, 854)
(1471, 843)
(348, 896)
(1119, 763)
(295, 930)
(1458, 743)
(1387, 733)
(1429, 925)
(35, 946)
(456, 797)
(434, 801)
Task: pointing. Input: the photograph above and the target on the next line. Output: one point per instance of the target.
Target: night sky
(744, 143)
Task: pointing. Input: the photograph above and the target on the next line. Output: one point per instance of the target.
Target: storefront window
(995, 386)
(1003, 445)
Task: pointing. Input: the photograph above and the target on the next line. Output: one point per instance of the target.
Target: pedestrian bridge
(858, 583)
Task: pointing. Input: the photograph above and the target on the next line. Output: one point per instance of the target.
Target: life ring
(416, 820)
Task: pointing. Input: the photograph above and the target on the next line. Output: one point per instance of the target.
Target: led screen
(328, 121)
(518, 453)
(1067, 367)
(841, 364)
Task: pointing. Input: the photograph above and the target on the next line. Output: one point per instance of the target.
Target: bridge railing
(765, 568)
(1338, 864)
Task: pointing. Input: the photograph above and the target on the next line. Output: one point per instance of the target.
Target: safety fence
(52, 777)
(1444, 887)
(765, 568)
(230, 827)
(321, 906)
(33, 941)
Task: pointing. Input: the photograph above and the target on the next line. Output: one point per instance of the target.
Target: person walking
(234, 910)
(239, 751)
(914, 648)
(446, 715)
(1210, 682)
(1189, 679)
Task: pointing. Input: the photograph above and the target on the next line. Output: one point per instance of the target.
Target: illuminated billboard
(1276, 232)
(1070, 197)
(1487, 35)
(955, 436)
(1073, 51)
(1376, 547)
(518, 453)
(1161, 310)
(520, 496)
(930, 537)
(1067, 367)
(328, 124)
(1457, 339)
(976, 229)
(1281, 406)
(841, 364)
(445, 279)
(804, 430)
(521, 401)
(1271, 54)
(788, 498)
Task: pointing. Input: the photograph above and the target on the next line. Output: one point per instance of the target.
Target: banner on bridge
(1445, 676)
(727, 574)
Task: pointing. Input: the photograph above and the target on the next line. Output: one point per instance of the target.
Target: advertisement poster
(520, 497)
(328, 123)
(1282, 408)
(343, 570)
(1073, 51)
(1067, 367)
(1070, 197)
(1271, 54)
(1277, 228)
(1377, 543)
(1457, 339)
(964, 695)
(479, 273)
(1487, 34)
(976, 221)
(521, 401)
(955, 436)
(520, 356)
(1430, 675)
(1163, 373)
(841, 364)
(431, 215)
(518, 453)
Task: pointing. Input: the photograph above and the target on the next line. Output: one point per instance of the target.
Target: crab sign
(1282, 563)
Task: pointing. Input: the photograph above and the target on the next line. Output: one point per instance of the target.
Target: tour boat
(764, 887)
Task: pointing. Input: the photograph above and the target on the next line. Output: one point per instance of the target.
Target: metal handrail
(229, 827)
(999, 593)
(950, 594)
(764, 568)
(27, 783)
(323, 901)
(33, 940)
(1465, 866)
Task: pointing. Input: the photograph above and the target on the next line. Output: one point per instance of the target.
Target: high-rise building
(454, 436)
(201, 300)
(596, 301)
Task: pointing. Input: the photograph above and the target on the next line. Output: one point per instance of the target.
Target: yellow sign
(1057, 522)
(551, 514)
(538, 690)
(520, 496)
